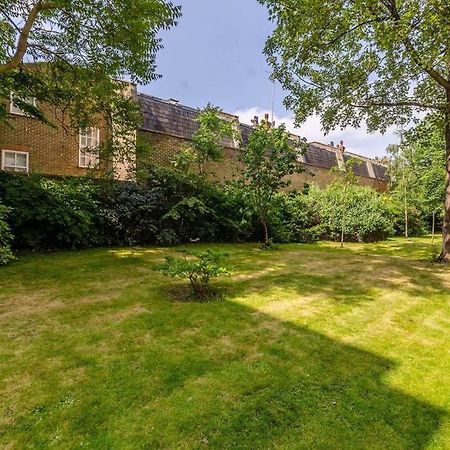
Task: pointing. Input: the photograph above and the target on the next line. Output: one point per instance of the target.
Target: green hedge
(168, 208)
(6, 237)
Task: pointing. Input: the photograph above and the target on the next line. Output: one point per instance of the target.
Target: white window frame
(89, 154)
(13, 109)
(14, 168)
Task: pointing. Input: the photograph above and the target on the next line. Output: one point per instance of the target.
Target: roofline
(246, 125)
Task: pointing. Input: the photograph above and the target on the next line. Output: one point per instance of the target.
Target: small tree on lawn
(268, 158)
(198, 267)
(404, 183)
(345, 178)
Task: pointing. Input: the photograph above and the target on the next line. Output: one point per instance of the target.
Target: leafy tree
(375, 60)
(207, 142)
(416, 168)
(404, 184)
(268, 158)
(345, 178)
(70, 54)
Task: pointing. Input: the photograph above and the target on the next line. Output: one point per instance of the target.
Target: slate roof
(163, 116)
(380, 172)
(360, 169)
(320, 157)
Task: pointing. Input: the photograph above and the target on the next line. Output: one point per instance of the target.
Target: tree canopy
(381, 61)
(70, 54)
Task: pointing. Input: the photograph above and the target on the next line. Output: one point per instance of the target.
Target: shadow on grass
(219, 374)
(145, 372)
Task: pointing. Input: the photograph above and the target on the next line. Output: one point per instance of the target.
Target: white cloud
(356, 140)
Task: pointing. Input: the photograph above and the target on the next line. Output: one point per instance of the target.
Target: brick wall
(51, 151)
(164, 148)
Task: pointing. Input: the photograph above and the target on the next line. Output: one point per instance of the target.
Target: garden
(307, 346)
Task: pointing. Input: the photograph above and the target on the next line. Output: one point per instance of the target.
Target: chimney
(342, 146)
(267, 122)
(255, 120)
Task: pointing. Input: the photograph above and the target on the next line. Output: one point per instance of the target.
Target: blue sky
(215, 55)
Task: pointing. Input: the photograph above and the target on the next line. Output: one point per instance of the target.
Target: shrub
(198, 267)
(51, 213)
(130, 213)
(294, 219)
(367, 216)
(6, 237)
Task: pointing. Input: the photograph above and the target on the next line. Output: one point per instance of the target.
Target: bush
(51, 213)
(294, 219)
(6, 237)
(417, 225)
(166, 207)
(367, 216)
(198, 268)
(130, 213)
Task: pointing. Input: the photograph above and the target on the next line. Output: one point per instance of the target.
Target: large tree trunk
(445, 255)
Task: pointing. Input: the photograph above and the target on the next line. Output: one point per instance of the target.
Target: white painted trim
(27, 155)
(80, 148)
(17, 111)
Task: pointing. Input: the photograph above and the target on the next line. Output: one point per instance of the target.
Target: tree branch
(22, 43)
(397, 104)
(392, 7)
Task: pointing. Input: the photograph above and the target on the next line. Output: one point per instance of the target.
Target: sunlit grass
(311, 346)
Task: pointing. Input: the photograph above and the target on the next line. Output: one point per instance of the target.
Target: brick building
(169, 126)
(30, 146)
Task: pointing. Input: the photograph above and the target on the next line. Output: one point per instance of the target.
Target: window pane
(21, 160)
(10, 159)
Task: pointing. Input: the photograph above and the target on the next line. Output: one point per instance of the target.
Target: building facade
(27, 145)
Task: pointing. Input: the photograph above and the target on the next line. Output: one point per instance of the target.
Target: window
(15, 161)
(13, 109)
(89, 141)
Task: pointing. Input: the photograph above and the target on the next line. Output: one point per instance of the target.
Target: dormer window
(89, 142)
(14, 109)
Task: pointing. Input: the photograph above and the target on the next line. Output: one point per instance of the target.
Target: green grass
(310, 347)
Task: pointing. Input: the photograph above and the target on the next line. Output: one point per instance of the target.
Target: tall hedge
(166, 207)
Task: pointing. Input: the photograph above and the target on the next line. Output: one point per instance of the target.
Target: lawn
(309, 347)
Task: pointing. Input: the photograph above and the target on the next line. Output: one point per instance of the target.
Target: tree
(380, 61)
(207, 142)
(268, 158)
(416, 169)
(345, 178)
(70, 54)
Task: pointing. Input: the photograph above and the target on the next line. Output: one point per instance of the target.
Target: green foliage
(367, 213)
(6, 237)
(295, 218)
(378, 61)
(198, 267)
(169, 208)
(51, 213)
(75, 51)
(417, 170)
(348, 61)
(268, 158)
(207, 142)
